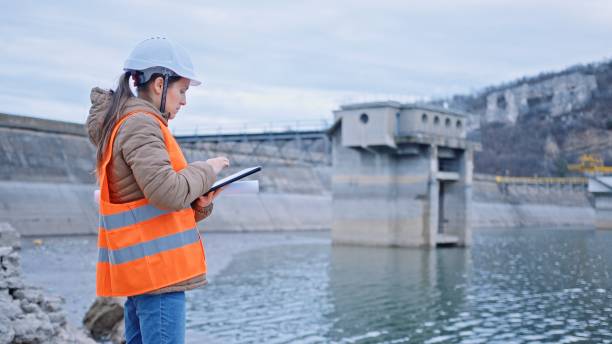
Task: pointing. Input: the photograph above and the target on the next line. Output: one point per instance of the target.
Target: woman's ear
(158, 85)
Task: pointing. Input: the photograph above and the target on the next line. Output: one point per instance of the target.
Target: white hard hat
(161, 52)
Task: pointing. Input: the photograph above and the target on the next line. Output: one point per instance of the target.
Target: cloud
(44, 108)
(274, 60)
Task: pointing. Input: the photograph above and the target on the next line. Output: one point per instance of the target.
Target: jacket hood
(100, 103)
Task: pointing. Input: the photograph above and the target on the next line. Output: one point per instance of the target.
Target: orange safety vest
(142, 248)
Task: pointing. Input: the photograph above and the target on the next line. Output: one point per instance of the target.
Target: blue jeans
(158, 319)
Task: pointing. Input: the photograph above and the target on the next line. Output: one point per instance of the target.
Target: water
(511, 286)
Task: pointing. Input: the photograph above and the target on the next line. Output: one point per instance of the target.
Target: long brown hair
(119, 96)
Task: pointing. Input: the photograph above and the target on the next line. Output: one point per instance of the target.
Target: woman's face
(176, 96)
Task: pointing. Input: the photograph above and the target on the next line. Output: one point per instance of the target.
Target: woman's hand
(218, 163)
(206, 200)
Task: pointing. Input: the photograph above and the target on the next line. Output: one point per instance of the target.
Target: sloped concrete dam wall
(39, 208)
(47, 185)
(530, 206)
(46, 188)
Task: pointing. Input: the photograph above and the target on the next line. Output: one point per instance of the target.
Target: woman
(150, 197)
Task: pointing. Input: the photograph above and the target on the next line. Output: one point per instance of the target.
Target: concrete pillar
(467, 174)
(431, 223)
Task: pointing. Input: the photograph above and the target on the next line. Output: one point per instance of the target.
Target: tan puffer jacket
(140, 166)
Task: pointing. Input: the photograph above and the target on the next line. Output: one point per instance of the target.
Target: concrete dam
(47, 185)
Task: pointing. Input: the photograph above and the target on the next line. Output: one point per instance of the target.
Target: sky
(286, 62)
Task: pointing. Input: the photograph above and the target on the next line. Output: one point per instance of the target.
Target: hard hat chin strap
(162, 105)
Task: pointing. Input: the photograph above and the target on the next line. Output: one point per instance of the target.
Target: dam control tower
(402, 175)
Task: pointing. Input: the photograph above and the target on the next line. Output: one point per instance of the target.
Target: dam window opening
(459, 124)
(448, 165)
(364, 118)
(447, 122)
(436, 120)
(441, 200)
(447, 200)
(424, 118)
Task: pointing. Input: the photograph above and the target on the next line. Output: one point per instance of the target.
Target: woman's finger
(204, 201)
(213, 194)
(208, 196)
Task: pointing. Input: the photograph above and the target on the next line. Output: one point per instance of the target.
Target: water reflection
(272, 295)
(510, 287)
(541, 286)
(397, 295)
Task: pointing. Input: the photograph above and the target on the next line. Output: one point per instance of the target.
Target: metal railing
(541, 180)
(281, 126)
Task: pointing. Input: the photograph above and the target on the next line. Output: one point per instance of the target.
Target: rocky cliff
(538, 125)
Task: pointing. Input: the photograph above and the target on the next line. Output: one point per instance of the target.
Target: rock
(30, 294)
(9, 237)
(8, 307)
(32, 329)
(29, 307)
(102, 317)
(70, 335)
(52, 304)
(27, 315)
(14, 282)
(118, 333)
(5, 250)
(58, 318)
(9, 263)
(7, 333)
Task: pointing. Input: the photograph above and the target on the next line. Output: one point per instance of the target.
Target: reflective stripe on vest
(131, 217)
(148, 248)
(142, 248)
